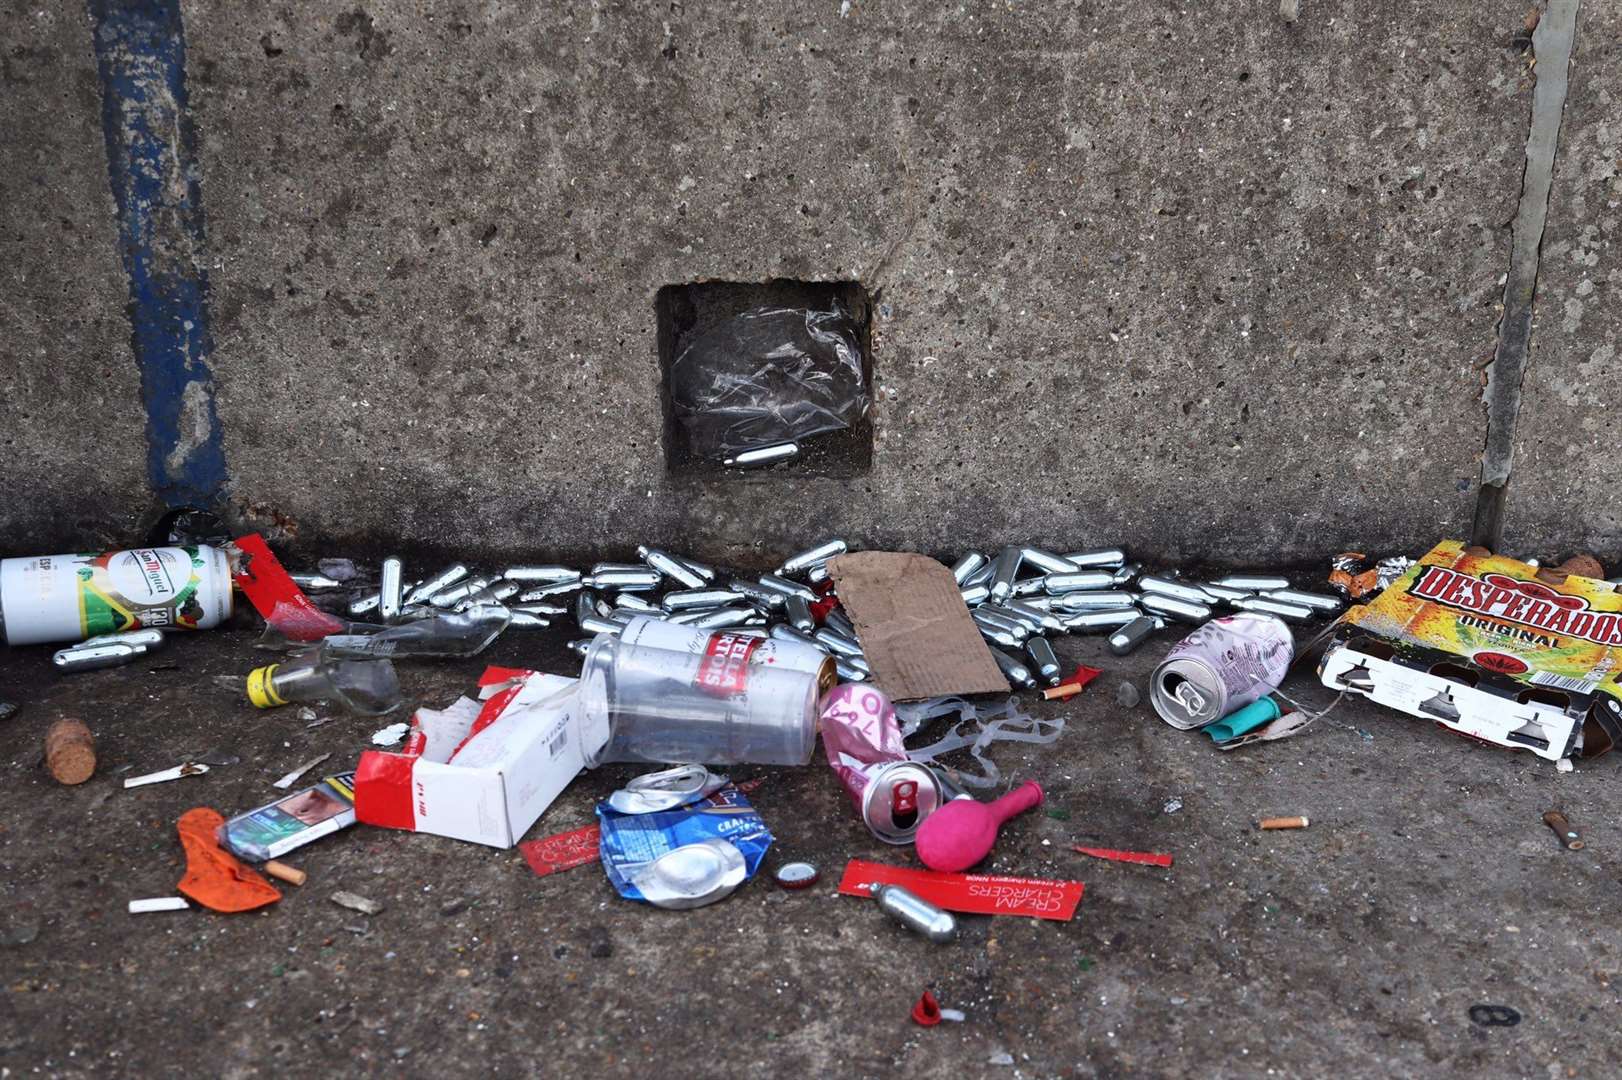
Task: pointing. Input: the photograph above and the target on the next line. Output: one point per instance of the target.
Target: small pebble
(338, 569)
(1000, 1059)
(306, 713)
(1127, 696)
(20, 932)
(356, 902)
(454, 907)
(1173, 805)
(7, 709)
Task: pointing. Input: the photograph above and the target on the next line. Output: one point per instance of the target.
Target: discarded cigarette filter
(282, 872)
(158, 903)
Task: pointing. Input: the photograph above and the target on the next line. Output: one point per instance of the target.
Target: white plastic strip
(977, 729)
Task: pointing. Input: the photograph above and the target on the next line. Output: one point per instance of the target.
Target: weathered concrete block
(72, 432)
(1563, 493)
(1197, 281)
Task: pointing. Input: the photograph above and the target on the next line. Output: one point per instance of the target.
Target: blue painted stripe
(152, 162)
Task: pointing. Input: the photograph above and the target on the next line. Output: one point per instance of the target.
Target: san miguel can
(1221, 667)
(72, 597)
(655, 633)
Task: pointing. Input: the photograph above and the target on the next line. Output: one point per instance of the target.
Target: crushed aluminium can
(862, 739)
(685, 856)
(1223, 666)
(73, 597)
(898, 797)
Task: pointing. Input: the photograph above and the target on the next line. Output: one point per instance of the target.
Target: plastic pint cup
(717, 707)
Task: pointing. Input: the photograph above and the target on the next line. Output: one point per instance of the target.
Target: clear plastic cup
(662, 706)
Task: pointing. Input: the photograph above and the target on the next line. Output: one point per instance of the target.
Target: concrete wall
(72, 438)
(1187, 278)
(1565, 492)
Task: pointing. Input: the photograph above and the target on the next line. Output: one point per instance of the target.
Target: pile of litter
(686, 666)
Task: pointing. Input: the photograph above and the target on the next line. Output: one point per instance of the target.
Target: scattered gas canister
(1223, 666)
(968, 566)
(107, 650)
(1133, 634)
(915, 913)
(762, 457)
(805, 560)
(1047, 664)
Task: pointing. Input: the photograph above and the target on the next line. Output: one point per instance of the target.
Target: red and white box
(478, 770)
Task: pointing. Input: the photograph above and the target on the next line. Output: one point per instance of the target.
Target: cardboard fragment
(914, 626)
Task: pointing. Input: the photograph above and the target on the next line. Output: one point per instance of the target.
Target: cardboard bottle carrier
(1486, 647)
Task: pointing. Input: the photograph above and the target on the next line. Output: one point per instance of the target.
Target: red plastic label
(563, 851)
(275, 596)
(724, 668)
(1083, 676)
(975, 894)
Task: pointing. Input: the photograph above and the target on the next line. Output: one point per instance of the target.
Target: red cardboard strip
(494, 706)
(563, 851)
(1146, 858)
(976, 894)
(274, 595)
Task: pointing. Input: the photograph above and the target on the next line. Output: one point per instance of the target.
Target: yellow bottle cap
(261, 690)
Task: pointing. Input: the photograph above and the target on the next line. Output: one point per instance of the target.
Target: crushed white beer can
(1221, 667)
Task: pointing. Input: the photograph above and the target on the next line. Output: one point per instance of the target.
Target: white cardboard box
(488, 783)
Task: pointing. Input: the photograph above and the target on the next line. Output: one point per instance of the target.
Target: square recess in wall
(687, 312)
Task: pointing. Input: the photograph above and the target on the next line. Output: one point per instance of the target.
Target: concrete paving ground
(1426, 884)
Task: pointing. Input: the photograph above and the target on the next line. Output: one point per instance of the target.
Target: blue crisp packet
(631, 841)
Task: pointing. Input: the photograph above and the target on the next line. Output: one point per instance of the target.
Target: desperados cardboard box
(1486, 647)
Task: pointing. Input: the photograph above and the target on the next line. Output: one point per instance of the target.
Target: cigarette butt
(1282, 823)
(158, 903)
(1056, 693)
(282, 872)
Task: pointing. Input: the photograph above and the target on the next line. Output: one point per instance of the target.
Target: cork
(70, 751)
(1583, 565)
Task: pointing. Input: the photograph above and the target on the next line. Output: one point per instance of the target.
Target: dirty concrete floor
(1426, 884)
